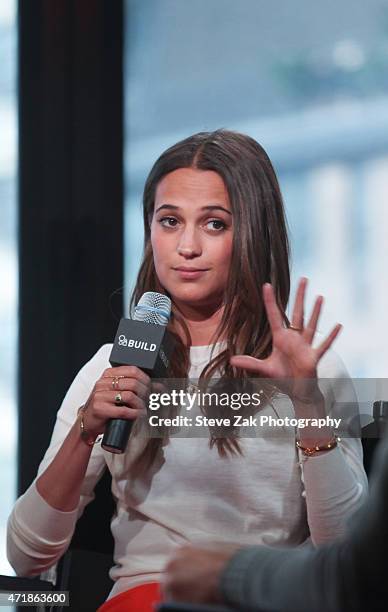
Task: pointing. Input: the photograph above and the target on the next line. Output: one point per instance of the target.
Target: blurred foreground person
(347, 576)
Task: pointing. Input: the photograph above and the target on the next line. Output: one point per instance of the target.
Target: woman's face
(192, 228)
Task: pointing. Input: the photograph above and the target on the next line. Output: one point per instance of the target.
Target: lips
(183, 269)
(189, 273)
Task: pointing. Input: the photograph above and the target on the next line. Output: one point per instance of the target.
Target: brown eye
(218, 223)
(168, 219)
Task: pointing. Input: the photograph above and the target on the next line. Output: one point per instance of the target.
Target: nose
(189, 243)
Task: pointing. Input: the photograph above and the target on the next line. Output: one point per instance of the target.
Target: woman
(211, 203)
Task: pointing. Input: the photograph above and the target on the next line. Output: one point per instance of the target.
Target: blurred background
(308, 80)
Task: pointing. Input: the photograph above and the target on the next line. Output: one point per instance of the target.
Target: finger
(275, 318)
(260, 366)
(130, 399)
(125, 412)
(297, 319)
(311, 327)
(127, 371)
(140, 388)
(102, 411)
(123, 384)
(326, 344)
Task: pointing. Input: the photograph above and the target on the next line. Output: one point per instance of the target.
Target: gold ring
(295, 328)
(118, 399)
(115, 382)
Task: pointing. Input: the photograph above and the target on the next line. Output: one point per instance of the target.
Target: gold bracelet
(316, 449)
(84, 434)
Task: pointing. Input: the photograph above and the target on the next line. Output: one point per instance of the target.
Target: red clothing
(142, 598)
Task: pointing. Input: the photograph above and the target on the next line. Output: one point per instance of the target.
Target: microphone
(142, 341)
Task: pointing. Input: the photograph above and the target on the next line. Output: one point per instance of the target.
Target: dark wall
(71, 201)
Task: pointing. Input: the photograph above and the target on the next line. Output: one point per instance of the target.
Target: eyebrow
(210, 207)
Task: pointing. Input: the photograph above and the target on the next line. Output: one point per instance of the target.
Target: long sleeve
(348, 575)
(297, 580)
(273, 580)
(335, 482)
(37, 534)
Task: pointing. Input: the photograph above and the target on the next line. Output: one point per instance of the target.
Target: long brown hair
(260, 252)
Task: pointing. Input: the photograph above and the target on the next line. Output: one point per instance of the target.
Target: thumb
(252, 364)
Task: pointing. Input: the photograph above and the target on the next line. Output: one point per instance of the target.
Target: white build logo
(136, 344)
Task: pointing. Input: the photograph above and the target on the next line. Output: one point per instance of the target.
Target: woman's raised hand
(120, 393)
(293, 357)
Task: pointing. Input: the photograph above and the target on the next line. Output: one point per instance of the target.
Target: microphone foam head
(153, 308)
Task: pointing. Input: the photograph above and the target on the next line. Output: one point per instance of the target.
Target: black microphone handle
(116, 435)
